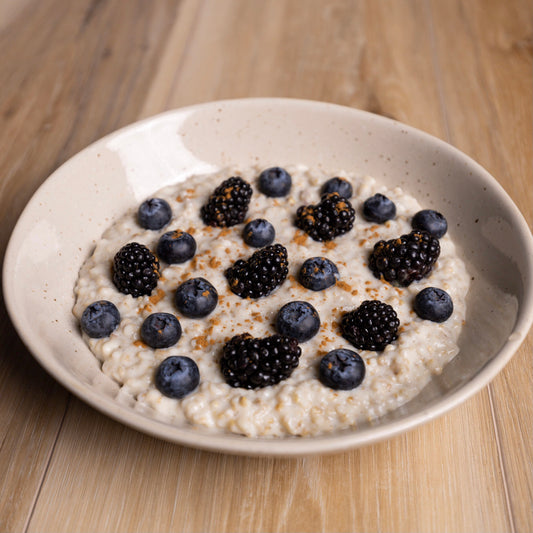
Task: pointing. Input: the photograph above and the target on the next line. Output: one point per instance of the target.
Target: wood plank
(66, 80)
(129, 482)
(489, 115)
(441, 477)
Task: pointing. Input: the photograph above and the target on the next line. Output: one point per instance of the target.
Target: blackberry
(333, 216)
(406, 259)
(135, 270)
(371, 326)
(228, 204)
(259, 275)
(250, 363)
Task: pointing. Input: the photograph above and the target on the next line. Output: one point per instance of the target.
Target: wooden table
(75, 70)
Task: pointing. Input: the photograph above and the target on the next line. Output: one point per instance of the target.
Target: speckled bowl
(69, 212)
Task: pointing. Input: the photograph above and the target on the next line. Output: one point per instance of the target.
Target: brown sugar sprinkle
(330, 245)
(191, 230)
(140, 344)
(344, 286)
(257, 317)
(224, 232)
(214, 262)
(157, 297)
(228, 251)
(362, 242)
(147, 308)
(200, 342)
(300, 238)
(355, 292)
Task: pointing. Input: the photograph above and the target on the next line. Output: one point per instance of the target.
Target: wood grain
(459, 69)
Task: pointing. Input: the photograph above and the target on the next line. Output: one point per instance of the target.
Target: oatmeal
(301, 404)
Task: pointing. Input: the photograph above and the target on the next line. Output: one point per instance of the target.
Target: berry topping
(250, 363)
(177, 376)
(333, 216)
(259, 233)
(433, 304)
(406, 259)
(228, 204)
(161, 330)
(259, 275)
(100, 319)
(154, 213)
(135, 270)
(298, 320)
(339, 185)
(342, 370)
(379, 208)
(371, 326)
(318, 273)
(176, 247)
(430, 221)
(196, 298)
(275, 182)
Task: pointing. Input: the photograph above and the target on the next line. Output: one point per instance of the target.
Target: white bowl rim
(292, 446)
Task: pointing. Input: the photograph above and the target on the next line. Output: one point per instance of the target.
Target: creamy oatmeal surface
(300, 405)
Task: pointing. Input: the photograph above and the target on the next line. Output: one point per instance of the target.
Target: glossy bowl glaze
(67, 215)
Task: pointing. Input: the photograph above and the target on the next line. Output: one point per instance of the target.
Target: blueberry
(259, 233)
(196, 298)
(379, 208)
(154, 213)
(342, 369)
(177, 376)
(176, 247)
(430, 221)
(299, 320)
(433, 304)
(318, 273)
(100, 319)
(275, 182)
(339, 185)
(161, 330)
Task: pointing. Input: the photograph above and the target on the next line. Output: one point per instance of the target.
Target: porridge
(299, 401)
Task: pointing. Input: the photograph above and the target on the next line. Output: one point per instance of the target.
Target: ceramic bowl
(67, 215)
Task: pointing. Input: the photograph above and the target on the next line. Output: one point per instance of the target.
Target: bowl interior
(68, 214)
